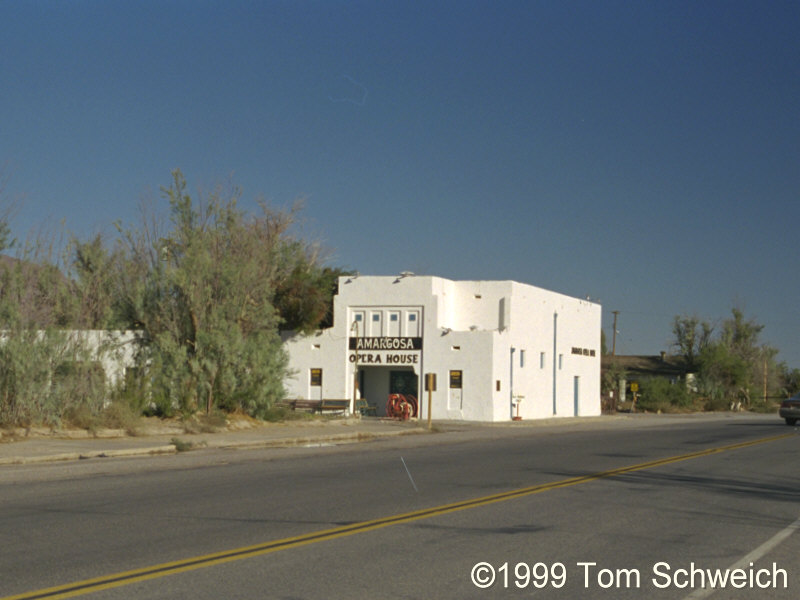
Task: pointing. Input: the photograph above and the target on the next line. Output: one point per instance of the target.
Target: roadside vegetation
(205, 285)
(725, 366)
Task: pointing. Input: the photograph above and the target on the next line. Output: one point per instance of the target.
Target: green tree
(208, 287)
(36, 310)
(691, 337)
(732, 366)
(95, 279)
(6, 241)
(211, 293)
(6, 238)
(790, 381)
(735, 367)
(304, 296)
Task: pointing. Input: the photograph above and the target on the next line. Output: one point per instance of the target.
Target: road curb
(218, 444)
(68, 456)
(361, 436)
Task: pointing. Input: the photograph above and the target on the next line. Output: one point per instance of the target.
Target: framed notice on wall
(316, 377)
(455, 380)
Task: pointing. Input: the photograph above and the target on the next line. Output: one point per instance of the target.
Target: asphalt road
(633, 508)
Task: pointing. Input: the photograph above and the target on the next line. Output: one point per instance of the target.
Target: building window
(394, 324)
(522, 358)
(376, 324)
(560, 361)
(412, 326)
(541, 360)
(358, 328)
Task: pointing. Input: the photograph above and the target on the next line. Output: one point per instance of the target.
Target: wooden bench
(333, 405)
(320, 406)
(299, 404)
(365, 408)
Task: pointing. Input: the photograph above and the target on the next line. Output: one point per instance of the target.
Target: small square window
(376, 317)
(359, 317)
(412, 317)
(393, 317)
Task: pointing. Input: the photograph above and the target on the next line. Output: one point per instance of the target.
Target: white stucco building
(498, 349)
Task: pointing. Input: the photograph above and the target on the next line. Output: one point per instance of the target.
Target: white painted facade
(498, 349)
(114, 350)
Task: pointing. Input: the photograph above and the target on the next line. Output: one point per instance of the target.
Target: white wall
(115, 351)
(550, 325)
(323, 350)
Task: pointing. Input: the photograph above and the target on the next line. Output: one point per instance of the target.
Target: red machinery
(402, 406)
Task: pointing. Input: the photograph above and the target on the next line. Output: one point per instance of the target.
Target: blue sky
(645, 154)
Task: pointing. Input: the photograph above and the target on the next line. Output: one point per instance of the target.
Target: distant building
(498, 349)
(638, 368)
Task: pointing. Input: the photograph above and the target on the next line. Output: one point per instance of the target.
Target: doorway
(376, 383)
(407, 384)
(403, 382)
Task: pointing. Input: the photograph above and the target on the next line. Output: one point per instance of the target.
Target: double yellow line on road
(105, 582)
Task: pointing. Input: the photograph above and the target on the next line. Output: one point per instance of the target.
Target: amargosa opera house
(489, 350)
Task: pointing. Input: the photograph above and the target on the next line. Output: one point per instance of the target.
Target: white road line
(751, 557)
(409, 476)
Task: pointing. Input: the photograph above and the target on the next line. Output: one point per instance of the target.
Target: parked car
(790, 409)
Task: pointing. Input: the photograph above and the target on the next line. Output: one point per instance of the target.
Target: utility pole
(614, 342)
(355, 412)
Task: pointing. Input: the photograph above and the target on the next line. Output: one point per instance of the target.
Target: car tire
(790, 421)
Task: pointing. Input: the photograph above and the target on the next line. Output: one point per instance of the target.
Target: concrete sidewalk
(35, 446)
(22, 446)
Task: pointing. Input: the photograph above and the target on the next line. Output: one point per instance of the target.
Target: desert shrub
(658, 393)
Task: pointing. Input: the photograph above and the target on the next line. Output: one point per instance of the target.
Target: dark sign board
(386, 343)
(430, 382)
(455, 380)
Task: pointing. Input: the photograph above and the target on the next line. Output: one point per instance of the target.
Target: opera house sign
(385, 350)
